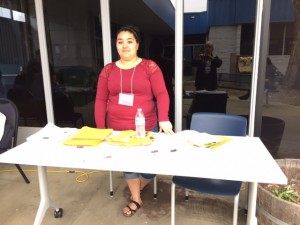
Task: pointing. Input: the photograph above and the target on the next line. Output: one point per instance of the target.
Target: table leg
(173, 204)
(251, 218)
(45, 202)
(111, 189)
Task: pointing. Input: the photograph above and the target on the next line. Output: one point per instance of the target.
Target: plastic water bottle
(140, 124)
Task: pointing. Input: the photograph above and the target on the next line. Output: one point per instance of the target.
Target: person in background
(34, 76)
(2, 88)
(207, 64)
(273, 79)
(167, 66)
(124, 86)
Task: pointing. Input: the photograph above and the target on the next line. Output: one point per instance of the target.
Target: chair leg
(22, 173)
(173, 204)
(247, 199)
(155, 188)
(111, 191)
(186, 195)
(235, 209)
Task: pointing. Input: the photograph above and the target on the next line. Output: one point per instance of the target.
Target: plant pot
(272, 210)
(271, 133)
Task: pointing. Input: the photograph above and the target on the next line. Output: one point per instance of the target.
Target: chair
(9, 138)
(64, 110)
(29, 107)
(216, 124)
(111, 190)
(207, 101)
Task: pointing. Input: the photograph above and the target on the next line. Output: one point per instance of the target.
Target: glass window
(276, 39)
(20, 62)
(247, 39)
(74, 41)
(282, 36)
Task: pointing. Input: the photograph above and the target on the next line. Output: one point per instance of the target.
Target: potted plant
(280, 204)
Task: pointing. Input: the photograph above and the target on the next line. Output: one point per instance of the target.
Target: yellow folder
(88, 136)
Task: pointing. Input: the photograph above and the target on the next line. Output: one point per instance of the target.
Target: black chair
(9, 138)
(64, 110)
(29, 107)
(207, 101)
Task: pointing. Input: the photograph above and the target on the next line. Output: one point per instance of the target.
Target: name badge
(126, 99)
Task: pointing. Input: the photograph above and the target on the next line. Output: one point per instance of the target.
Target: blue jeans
(144, 176)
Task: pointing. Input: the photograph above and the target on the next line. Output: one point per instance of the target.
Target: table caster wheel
(58, 213)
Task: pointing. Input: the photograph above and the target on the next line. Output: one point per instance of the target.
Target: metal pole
(178, 63)
(106, 31)
(44, 59)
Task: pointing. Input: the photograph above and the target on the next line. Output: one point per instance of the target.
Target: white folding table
(243, 159)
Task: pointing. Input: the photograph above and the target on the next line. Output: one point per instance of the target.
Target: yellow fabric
(128, 138)
(122, 137)
(88, 136)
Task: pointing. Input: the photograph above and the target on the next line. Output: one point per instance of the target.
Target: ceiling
(137, 13)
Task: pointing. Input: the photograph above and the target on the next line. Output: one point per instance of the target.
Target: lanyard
(121, 76)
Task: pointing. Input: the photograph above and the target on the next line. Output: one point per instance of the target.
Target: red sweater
(147, 84)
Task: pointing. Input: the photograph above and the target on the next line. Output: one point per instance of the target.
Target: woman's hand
(166, 127)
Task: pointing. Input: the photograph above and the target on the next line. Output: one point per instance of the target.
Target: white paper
(196, 138)
(53, 133)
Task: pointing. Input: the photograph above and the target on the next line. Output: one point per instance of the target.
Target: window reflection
(74, 67)
(20, 62)
(75, 53)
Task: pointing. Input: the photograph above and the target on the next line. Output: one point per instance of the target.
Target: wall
(71, 32)
(226, 40)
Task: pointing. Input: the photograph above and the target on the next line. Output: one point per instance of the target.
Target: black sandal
(131, 211)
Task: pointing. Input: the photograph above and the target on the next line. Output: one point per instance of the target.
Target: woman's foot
(132, 208)
(141, 192)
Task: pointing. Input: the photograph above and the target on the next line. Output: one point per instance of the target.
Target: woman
(125, 85)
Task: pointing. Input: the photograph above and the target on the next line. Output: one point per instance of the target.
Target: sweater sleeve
(102, 97)
(159, 91)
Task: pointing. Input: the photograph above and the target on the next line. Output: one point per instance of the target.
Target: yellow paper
(122, 137)
(74, 142)
(89, 133)
(222, 141)
(88, 136)
(202, 140)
